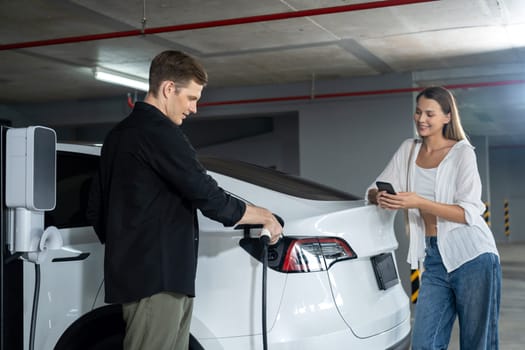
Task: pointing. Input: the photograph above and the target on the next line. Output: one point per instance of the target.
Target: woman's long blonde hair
(453, 130)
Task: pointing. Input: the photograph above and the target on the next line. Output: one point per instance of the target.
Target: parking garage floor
(512, 310)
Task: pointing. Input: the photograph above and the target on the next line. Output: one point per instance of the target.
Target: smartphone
(385, 186)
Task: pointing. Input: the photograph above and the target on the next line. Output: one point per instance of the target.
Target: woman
(437, 180)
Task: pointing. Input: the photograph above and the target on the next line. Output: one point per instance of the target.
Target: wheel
(100, 329)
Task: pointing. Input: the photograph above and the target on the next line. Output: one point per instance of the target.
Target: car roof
(247, 172)
(275, 180)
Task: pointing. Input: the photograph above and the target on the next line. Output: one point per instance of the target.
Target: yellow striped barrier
(507, 217)
(414, 280)
(486, 214)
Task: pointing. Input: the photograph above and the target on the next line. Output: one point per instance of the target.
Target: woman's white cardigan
(457, 182)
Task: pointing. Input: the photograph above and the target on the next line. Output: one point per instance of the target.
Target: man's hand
(258, 215)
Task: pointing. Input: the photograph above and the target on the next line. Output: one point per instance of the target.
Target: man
(143, 205)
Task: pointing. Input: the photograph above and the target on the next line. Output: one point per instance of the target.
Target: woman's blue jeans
(472, 292)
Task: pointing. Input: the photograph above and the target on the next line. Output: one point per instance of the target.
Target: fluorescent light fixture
(121, 79)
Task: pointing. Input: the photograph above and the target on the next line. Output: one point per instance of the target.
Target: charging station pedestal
(31, 190)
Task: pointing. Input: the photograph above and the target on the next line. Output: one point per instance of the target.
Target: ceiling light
(121, 79)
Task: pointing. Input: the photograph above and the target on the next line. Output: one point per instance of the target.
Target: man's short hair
(176, 66)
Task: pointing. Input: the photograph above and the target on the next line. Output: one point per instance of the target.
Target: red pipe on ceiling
(357, 93)
(216, 23)
(255, 19)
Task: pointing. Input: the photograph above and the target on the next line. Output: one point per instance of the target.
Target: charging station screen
(44, 169)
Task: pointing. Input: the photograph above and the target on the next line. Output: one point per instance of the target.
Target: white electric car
(332, 281)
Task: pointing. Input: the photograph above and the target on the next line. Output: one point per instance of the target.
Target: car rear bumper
(404, 344)
(397, 338)
(310, 316)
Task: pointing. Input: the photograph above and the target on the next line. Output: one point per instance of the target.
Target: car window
(74, 174)
(275, 180)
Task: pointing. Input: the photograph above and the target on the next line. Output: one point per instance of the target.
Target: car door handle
(79, 257)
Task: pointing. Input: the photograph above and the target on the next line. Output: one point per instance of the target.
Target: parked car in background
(332, 281)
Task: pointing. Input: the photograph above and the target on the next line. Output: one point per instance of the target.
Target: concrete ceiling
(444, 42)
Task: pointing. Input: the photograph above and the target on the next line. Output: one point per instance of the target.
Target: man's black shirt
(143, 205)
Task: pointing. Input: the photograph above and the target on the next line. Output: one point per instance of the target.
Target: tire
(99, 329)
(194, 344)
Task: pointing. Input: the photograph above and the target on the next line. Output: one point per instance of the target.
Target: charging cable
(265, 241)
(50, 239)
(36, 295)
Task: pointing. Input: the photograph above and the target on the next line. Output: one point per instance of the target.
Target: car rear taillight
(315, 254)
(302, 254)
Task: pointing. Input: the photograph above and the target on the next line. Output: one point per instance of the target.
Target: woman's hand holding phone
(385, 186)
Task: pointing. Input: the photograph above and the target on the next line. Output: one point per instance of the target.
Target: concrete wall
(501, 170)
(278, 149)
(507, 165)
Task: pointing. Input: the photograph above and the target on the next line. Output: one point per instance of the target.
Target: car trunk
(365, 307)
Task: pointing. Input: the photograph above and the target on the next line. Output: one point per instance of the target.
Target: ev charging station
(30, 190)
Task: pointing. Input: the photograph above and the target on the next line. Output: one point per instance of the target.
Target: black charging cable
(36, 295)
(264, 238)
(265, 241)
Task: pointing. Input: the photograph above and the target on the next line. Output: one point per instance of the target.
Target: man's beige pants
(159, 322)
